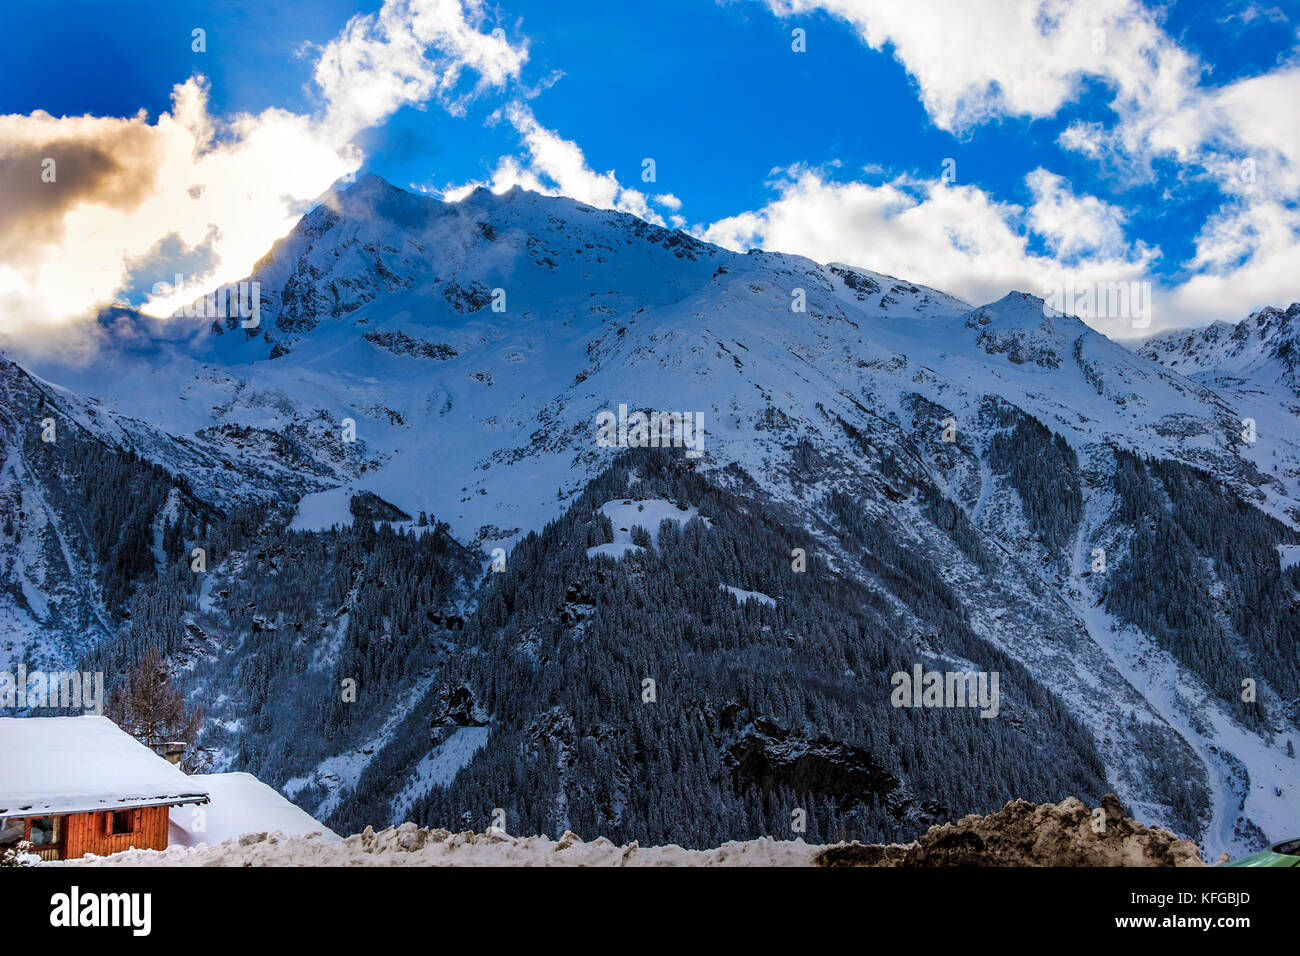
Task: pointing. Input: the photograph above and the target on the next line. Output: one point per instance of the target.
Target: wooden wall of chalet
(92, 833)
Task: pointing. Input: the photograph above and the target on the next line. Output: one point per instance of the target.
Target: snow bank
(240, 803)
(408, 845)
(1026, 834)
(1020, 834)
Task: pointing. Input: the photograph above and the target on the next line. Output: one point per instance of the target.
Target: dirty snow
(408, 845)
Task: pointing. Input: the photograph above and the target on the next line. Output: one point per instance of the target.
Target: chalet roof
(240, 804)
(80, 764)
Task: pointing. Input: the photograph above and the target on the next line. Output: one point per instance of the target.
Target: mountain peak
(369, 185)
(1272, 319)
(1021, 310)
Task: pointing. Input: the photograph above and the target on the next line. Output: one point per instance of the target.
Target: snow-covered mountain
(897, 433)
(1262, 349)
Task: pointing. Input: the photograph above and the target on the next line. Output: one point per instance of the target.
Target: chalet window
(45, 830)
(121, 821)
(12, 830)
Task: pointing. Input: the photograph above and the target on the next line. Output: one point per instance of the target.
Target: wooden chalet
(77, 785)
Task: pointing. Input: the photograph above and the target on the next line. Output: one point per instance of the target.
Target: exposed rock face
(457, 708)
(368, 506)
(862, 285)
(399, 343)
(770, 757)
(1025, 834)
(467, 298)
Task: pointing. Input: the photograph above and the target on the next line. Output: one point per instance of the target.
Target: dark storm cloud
(113, 164)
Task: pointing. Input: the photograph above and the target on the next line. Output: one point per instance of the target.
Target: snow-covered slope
(378, 308)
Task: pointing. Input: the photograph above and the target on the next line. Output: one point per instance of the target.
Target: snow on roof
(81, 764)
(240, 804)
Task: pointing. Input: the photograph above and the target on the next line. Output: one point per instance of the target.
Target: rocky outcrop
(769, 757)
(368, 506)
(399, 343)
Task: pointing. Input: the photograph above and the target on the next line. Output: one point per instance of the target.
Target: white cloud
(213, 192)
(219, 191)
(556, 166)
(1253, 12)
(1255, 119)
(409, 52)
(1245, 138)
(1246, 257)
(1073, 226)
(952, 237)
(980, 59)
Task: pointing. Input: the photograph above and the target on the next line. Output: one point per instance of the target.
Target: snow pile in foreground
(1025, 834)
(408, 845)
(1020, 834)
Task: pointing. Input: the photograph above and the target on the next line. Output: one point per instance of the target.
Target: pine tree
(154, 712)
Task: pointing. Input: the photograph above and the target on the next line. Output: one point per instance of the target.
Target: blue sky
(1087, 145)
